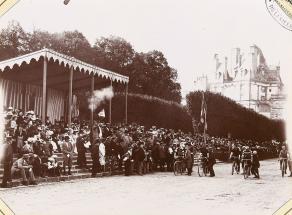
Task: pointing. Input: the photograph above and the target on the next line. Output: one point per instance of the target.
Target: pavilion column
(91, 94)
(44, 98)
(126, 104)
(110, 107)
(23, 97)
(70, 96)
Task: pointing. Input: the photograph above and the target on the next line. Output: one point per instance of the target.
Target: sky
(188, 32)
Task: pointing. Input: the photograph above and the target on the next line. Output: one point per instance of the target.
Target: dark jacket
(255, 161)
(7, 154)
(139, 154)
(95, 151)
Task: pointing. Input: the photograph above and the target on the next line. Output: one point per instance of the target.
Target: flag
(203, 117)
(101, 113)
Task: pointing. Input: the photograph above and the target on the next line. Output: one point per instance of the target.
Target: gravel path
(159, 193)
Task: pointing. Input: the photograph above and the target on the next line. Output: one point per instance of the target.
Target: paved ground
(160, 193)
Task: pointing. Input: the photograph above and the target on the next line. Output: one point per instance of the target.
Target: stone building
(248, 80)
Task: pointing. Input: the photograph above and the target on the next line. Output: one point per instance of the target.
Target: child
(53, 166)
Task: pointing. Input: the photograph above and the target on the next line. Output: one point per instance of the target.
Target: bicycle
(178, 167)
(283, 166)
(235, 165)
(246, 168)
(203, 166)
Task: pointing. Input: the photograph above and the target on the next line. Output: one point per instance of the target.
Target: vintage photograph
(145, 107)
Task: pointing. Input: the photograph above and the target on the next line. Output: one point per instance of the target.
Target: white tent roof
(66, 61)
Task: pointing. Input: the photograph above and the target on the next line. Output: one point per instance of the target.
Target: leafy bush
(226, 116)
(144, 110)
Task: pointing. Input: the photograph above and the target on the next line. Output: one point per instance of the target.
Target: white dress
(101, 154)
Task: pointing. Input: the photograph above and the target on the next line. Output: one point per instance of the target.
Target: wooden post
(23, 97)
(126, 105)
(91, 110)
(110, 107)
(45, 71)
(70, 97)
(91, 94)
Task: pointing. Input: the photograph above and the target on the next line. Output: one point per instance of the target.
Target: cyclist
(204, 154)
(283, 156)
(246, 155)
(235, 156)
(180, 151)
(179, 155)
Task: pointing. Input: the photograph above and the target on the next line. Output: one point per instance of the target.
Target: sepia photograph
(145, 107)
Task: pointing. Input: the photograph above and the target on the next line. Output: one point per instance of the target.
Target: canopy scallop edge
(66, 60)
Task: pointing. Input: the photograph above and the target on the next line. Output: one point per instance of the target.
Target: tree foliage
(145, 110)
(226, 116)
(149, 72)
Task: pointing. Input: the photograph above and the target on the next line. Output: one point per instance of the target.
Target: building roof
(28, 68)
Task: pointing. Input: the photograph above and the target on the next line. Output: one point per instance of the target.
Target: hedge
(226, 116)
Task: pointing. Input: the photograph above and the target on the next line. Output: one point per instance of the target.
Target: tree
(114, 53)
(13, 41)
(153, 76)
(226, 116)
(71, 43)
(149, 72)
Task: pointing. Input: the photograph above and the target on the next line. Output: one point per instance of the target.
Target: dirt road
(159, 193)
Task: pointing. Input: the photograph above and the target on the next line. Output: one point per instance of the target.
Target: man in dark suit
(211, 161)
(95, 158)
(139, 156)
(67, 149)
(189, 160)
(81, 150)
(7, 160)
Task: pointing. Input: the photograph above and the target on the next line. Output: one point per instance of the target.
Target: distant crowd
(137, 149)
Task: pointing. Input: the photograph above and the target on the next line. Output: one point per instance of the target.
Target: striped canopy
(28, 68)
(21, 81)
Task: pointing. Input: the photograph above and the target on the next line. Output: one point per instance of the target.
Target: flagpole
(204, 111)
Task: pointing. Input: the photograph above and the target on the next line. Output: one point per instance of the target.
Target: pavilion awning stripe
(66, 60)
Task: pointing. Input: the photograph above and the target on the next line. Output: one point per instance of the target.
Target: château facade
(248, 80)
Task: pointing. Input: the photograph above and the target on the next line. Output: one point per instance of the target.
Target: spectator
(7, 160)
(139, 156)
(95, 158)
(53, 166)
(23, 167)
(102, 154)
(67, 149)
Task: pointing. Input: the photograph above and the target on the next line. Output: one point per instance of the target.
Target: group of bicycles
(246, 166)
(179, 166)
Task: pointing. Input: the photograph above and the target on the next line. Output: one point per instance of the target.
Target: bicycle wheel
(237, 168)
(283, 168)
(176, 168)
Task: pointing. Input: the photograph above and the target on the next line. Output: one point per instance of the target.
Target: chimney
(254, 59)
(225, 68)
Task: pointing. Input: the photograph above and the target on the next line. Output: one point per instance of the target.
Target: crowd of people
(138, 149)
